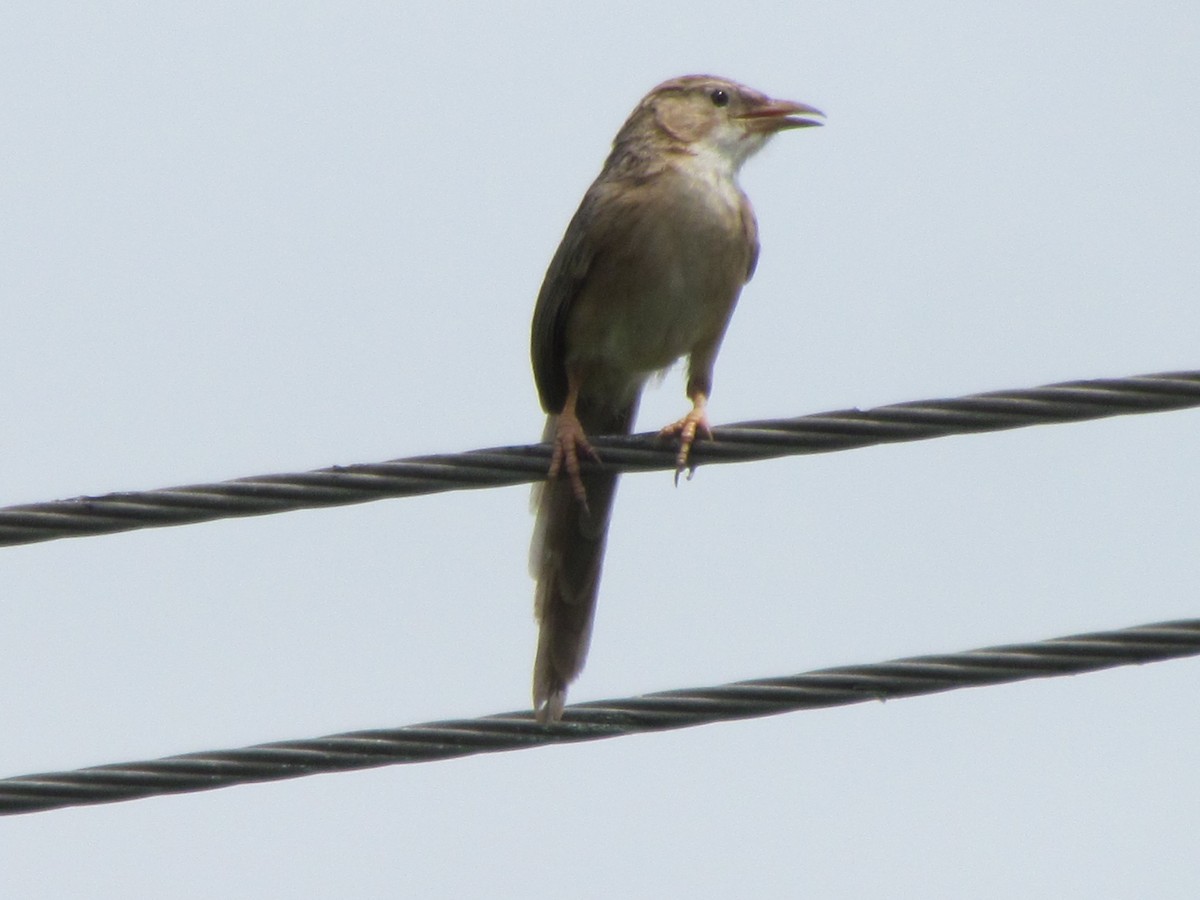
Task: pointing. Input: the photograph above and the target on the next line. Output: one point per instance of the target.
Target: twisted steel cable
(1070, 401)
(603, 719)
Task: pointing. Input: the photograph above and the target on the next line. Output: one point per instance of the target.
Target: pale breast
(664, 281)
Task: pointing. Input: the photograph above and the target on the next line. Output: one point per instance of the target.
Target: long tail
(565, 558)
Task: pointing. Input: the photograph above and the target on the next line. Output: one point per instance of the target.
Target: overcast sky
(249, 238)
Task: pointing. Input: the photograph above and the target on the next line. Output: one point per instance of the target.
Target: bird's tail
(565, 559)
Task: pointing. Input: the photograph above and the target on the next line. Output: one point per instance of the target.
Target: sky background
(250, 238)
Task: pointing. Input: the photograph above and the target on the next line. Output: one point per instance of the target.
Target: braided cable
(1070, 401)
(839, 686)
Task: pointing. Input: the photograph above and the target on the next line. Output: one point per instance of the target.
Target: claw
(569, 442)
(695, 422)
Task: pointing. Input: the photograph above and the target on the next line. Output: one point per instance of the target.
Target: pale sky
(239, 239)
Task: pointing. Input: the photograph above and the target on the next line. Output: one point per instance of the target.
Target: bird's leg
(695, 422)
(569, 441)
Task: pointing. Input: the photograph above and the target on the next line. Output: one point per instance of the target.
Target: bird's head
(709, 115)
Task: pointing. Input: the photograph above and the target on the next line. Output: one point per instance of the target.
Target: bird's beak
(776, 115)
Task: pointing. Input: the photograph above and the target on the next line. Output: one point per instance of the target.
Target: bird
(648, 271)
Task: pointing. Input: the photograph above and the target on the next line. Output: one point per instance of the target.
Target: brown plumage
(649, 271)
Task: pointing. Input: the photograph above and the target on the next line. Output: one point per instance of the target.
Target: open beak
(777, 115)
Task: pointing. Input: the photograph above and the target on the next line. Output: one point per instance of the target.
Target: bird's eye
(719, 97)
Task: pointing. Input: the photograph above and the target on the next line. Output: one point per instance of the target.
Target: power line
(1071, 401)
(664, 711)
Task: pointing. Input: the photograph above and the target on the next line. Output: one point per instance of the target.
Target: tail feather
(566, 557)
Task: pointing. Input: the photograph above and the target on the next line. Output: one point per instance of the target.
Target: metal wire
(1070, 401)
(604, 719)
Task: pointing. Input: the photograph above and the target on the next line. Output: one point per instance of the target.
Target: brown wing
(564, 279)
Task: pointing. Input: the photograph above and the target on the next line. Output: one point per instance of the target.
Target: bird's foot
(569, 443)
(694, 423)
